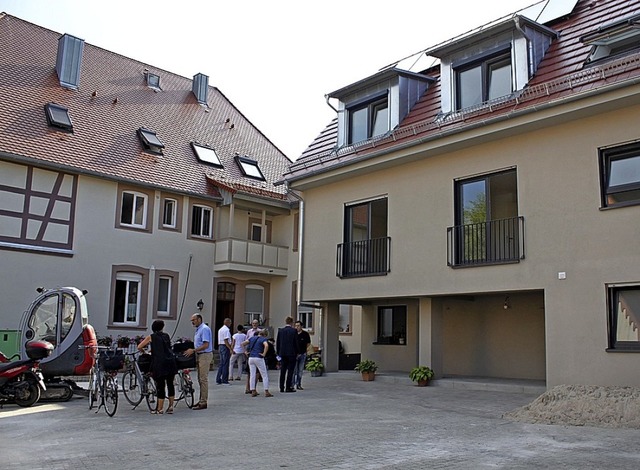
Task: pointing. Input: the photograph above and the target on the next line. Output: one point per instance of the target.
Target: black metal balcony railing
(363, 258)
(492, 242)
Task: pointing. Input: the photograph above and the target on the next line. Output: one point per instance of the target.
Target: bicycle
(184, 387)
(137, 384)
(103, 380)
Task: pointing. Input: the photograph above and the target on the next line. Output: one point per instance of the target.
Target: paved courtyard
(337, 422)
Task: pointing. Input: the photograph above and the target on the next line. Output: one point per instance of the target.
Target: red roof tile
(562, 72)
(104, 140)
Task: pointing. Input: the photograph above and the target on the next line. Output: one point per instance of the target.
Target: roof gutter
(483, 123)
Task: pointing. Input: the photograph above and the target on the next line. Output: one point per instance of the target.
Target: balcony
(233, 254)
(493, 242)
(363, 258)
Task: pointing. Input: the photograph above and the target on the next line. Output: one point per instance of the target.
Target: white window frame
(129, 278)
(305, 316)
(249, 316)
(167, 301)
(200, 232)
(136, 197)
(174, 203)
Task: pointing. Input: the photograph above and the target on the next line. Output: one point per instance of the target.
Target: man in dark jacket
(287, 347)
(303, 343)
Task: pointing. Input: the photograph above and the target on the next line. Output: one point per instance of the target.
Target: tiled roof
(104, 140)
(562, 73)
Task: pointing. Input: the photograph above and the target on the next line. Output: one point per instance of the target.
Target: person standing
(254, 330)
(287, 349)
(303, 341)
(203, 349)
(163, 365)
(238, 352)
(258, 347)
(224, 348)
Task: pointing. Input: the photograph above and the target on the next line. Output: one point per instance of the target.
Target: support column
(330, 332)
(430, 326)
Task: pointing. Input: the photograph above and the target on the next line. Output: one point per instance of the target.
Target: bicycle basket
(111, 360)
(144, 362)
(184, 362)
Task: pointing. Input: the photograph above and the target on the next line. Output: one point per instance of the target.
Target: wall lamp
(200, 305)
(507, 303)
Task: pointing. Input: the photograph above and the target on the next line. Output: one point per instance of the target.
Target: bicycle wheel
(93, 389)
(187, 390)
(151, 392)
(177, 384)
(131, 388)
(110, 395)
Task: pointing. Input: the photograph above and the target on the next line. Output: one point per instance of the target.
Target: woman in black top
(163, 364)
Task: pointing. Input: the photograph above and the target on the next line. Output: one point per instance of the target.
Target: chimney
(69, 61)
(200, 87)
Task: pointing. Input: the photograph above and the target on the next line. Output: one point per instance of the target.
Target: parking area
(337, 422)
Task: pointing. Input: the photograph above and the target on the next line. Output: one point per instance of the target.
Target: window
(153, 80)
(624, 317)
(201, 221)
(488, 229)
(483, 80)
(249, 168)
(392, 325)
(254, 304)
(296, 230)
(366, 247)
(346, 320)
(150, 141)
(169, 213)
(166, 293)
(256, 230)
(369, 119)
(133, 209)
(58, 116)
(620, 175)
(206, 155)
(614, 39)
(127, 298)
(305, 316)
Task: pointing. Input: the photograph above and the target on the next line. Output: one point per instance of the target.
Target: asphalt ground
(337, 422)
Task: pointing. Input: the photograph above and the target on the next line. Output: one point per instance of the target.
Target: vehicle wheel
(110, 395)
(131, 388)
(151, 393)
(28, 396)
(187, 390)
(93, 390)
(177, 384)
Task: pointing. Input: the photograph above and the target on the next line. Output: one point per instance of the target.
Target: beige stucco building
(489, 226)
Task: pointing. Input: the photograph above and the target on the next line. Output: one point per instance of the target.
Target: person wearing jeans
(303, 340)
(224, 348)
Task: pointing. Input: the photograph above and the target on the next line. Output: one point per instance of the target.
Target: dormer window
(58, 116)
(206, 154)
(150, 141)
(483, 79)
(614, 39)
(249, 168)
(368, 119)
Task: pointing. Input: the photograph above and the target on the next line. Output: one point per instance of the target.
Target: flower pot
(368, 376)
(423, 383)
(316, 373)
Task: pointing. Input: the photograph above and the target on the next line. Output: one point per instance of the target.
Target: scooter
(21, 381)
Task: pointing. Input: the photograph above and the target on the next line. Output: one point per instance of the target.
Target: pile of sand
(580, 405)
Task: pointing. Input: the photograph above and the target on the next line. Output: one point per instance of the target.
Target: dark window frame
(607, 156)
(58, 116)
(486, 61)
(612, 319)
(150, 141)
(399, 324)
(372, 105)
(241, 161)
(203, 158)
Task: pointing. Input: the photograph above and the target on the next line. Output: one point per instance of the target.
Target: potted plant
(422, 375)
(368, 369)
(315, 366)
(123, 341)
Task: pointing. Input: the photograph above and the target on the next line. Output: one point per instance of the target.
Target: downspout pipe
(300, 234)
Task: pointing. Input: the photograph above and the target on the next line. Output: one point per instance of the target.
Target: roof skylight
(153, 80)
(150, 141)
(58, 116)
(250, 168)
(206, 154)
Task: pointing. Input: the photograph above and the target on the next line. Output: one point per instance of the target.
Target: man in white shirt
(237, 357)
(224, 348)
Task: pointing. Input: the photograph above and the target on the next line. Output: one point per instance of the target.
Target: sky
(275, 60)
